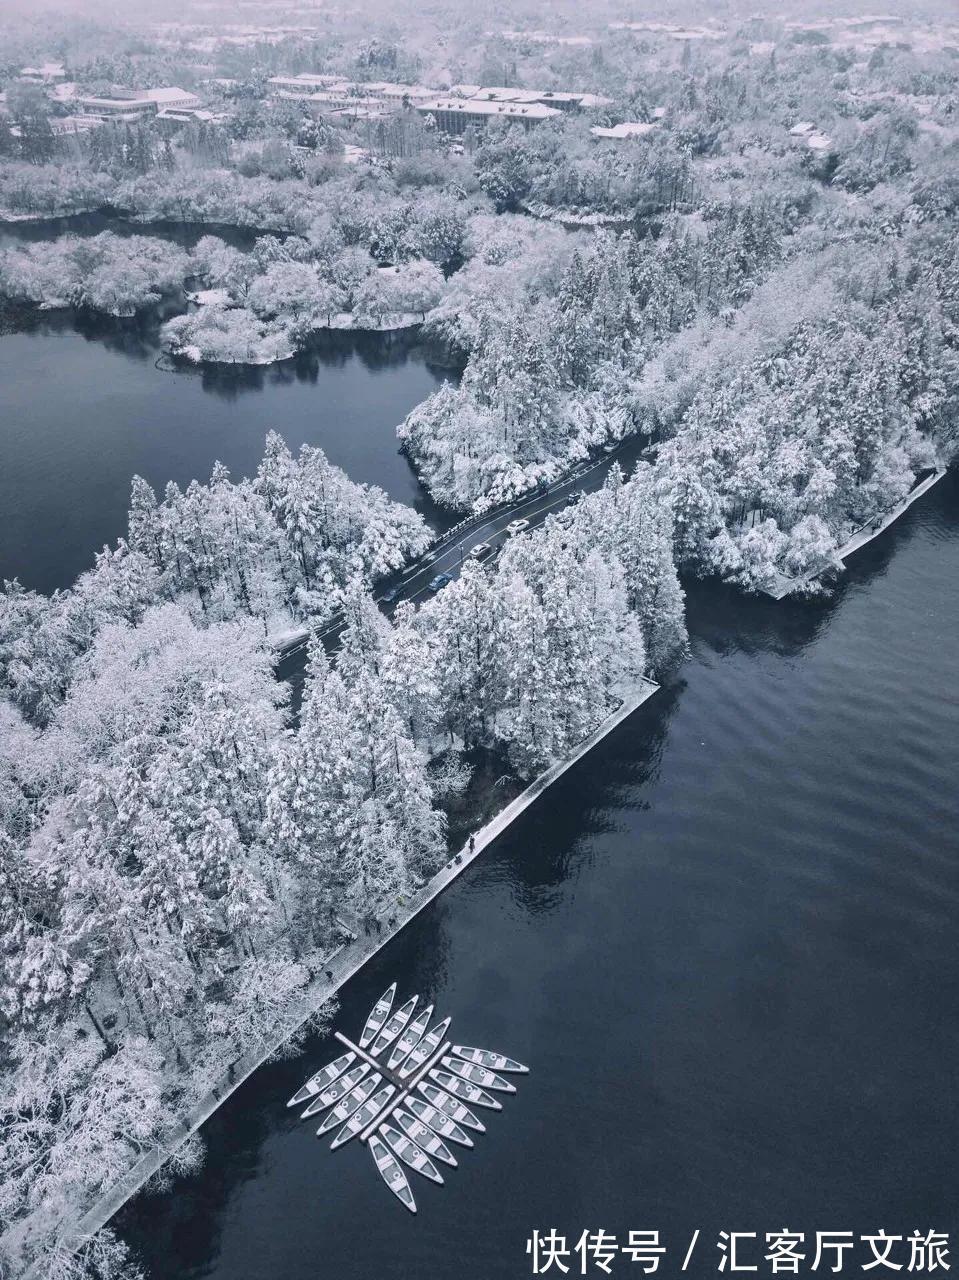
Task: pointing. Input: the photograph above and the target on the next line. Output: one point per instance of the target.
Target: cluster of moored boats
(409, 1104)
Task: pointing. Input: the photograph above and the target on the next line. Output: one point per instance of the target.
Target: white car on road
(516, 526)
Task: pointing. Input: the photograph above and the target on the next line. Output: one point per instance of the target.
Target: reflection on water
(724, 944)
(93, 224)
(90, 401)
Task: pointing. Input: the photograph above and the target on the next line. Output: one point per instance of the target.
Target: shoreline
(345, 961)
(784, 586)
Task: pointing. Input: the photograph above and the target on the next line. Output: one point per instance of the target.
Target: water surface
(725, 945)
(86, 405)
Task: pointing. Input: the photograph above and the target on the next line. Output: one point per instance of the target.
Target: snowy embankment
(394, 323)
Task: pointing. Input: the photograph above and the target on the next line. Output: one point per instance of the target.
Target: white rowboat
(424, 1137)
(337, 1090)
(410, 1037)
(427, 1046)
(477, 1075)
(391, 1173)
(451, 1107)
(486, 1058)
(461, 1088)
(378, 1015)
(410, 1153)
(346, 1106)
(438, 1121)
(358, 1121)
(323, 1077)
(395, 1025)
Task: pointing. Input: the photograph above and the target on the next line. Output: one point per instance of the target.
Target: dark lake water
(725, 945)
(85, 407)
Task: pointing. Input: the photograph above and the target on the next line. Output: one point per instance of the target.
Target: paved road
(451, 551)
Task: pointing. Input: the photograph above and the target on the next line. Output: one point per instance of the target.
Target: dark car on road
(439, 582)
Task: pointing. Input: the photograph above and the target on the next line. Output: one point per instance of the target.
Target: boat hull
(322, 1079)
(389, 1169)
(394, 1026)
(427, 1046)
(461, 1088)
(450, 1106)
(410, 1153)
(337, 1090)
(410, 1038)
(438, 1121)
(424, 1137)
(347, 1105)
(363, 1116)
(481, 1076)
(487, 1058)
(377, 1017)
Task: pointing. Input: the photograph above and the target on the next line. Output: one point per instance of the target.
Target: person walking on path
(472, 843)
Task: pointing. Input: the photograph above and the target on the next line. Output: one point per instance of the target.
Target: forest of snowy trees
(176, 853)
(780, 324)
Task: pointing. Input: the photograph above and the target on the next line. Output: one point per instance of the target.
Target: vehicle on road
(574, 497)
(480, 551)
(516, 526)
(439, 582)
(392, 595)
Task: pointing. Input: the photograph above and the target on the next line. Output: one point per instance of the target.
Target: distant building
(179, 116)
(397, 94)
(170, 99)
(328, 101)
(628, 129)
(805, 131)
(115, 108)
(46, 72)
(560, 99)
(453, 115)
(133, 104)
(496, 93)
(572, 101)
(61, 125)
(305, 84)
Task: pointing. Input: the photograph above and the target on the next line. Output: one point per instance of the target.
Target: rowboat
(477, 1075)
(451, 1107)
(338, 1089)
(323, 1077)
(395, 1025)
(391, 1173)
(438, 1121)
(346, 1106)
(428, 1045)
(360, 1118)
(410, 1153)
(486, 1058)
(410, 1037)
(378, 1015)
(461, 1088)
(424, 1137)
